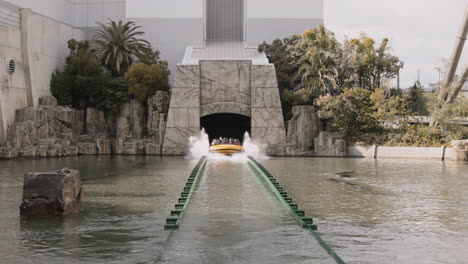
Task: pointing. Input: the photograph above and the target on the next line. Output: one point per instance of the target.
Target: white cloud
(421, 32)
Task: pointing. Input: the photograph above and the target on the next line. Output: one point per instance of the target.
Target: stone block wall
(183, 118)
(267, 115)
(224, 86)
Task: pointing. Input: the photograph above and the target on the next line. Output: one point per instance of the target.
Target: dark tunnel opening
(226, 125)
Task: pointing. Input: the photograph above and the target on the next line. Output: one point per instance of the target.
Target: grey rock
(265, 97)
(233, 108)
(48, 101)
(187, 76)
(225, 81)
(104, 146)
(51, 194)
(330, 144)
(95, 122)
(86, 148)
(131, 120)
(264, 76)
(184, 117)
(152, 149)
(134, 147)
(267, 117)
(303, 127)
(460, 150)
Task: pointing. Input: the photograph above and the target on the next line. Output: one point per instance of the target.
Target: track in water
(234, 218)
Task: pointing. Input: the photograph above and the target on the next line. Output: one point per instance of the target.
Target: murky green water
(386, 211)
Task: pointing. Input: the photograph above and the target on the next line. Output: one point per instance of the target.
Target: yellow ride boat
(226, 149)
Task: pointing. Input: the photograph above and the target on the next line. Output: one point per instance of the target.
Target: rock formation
(460, 150)
(51, 193)
(330, 144)
(50, 130)
(303, 127)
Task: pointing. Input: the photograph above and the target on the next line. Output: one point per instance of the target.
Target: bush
(299, 97)
(417, 102)
(82, 80)
(351, 114)
(425, 136)
(114, 95)
(83, 83)
(145, 80)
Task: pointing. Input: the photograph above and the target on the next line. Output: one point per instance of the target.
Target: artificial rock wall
(49, 130)
(224, 86)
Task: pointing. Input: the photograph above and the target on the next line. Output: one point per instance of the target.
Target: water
(385, 211)
(125, 204)
(235, 219)
(199, 146)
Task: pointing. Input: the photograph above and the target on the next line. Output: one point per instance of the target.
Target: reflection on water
(385, 211)
(125, 204)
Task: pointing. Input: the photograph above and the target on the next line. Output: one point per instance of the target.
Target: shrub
(145, 80)
(425, 136)
(82, 80)
(417, 102)
(114, 95)
(351, 114)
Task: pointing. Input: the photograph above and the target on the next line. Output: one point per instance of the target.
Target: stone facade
(224, 86)
(50, 130)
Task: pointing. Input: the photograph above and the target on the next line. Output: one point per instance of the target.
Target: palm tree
(118, 44)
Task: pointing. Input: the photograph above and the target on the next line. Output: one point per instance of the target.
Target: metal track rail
(173, 222)
(293, 208)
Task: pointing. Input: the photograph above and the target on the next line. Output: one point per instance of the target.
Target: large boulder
(460, 150)
(51, 193)
(330, 144)
(131, 120)
(158, 105)
(95, 122)
(303, 127)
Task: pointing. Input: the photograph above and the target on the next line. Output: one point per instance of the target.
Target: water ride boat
(226, 149)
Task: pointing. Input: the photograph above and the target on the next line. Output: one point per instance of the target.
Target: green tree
(145, 80)
(82, 79)
(374, 65)
(417, 102)
(118, 44)
(318, 68)
(286, 64)
(350, 113)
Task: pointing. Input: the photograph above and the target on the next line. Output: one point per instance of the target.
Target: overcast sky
(421, 32)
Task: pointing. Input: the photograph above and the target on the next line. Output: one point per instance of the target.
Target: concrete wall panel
(259, 30)
(285, 9)
(46, 49)
(13, 87)
(171, 36)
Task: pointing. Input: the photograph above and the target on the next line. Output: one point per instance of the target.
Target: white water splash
(199, 146)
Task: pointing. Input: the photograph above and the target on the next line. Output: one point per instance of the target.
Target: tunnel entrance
(226, 125)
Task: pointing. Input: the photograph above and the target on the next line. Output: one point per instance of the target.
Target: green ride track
(174, 222)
